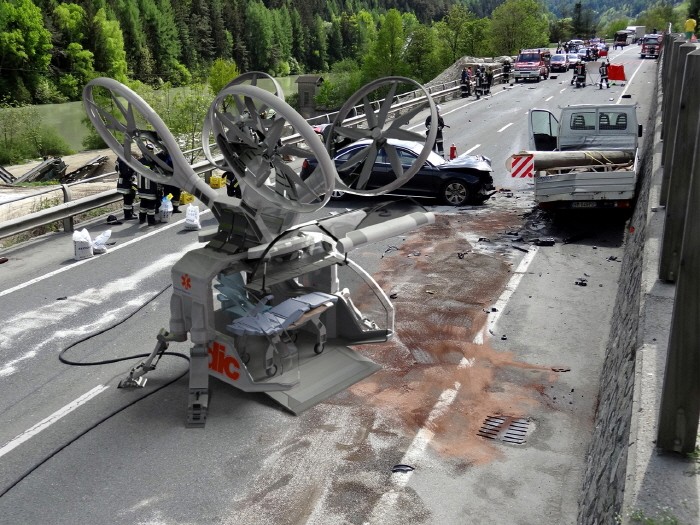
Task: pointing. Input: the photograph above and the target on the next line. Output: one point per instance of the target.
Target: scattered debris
(561, 369)
(62, 298)
(581, 282)
(504, 337)
(431, 292)
(613, 258)
(505, 190)
(3, 260)
(460, 255)
(627, 96)
(483, 239)
(402, 468)
(545, 241)
(494, 309)
(393, 296)
(520, 248)
(389, 249)
(413, 254)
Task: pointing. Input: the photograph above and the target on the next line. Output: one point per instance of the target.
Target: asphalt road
(487, 324)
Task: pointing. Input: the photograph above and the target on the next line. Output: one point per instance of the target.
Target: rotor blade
(108, 118)
(352, 133)
(406, 117)
(355, 159)
(386, 105)
(394, 160)
(293, 149)
(367, 168)
(293, 177)
(274, 132)
(404, 134)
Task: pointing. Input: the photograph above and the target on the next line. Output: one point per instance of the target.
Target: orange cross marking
(186, 281)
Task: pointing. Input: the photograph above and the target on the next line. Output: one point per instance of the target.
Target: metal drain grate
(505, 428)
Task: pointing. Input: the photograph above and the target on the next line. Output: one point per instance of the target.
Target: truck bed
(585, 187)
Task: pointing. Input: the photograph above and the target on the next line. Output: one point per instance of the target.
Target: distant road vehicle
(559, 62)
(651, 45)
(573, 59)
(532, 64)
(466, 179)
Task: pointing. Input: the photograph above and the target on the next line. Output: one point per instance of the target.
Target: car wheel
(455, 193)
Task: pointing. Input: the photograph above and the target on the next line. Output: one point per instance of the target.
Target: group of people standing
(131, 185)
(482, 79)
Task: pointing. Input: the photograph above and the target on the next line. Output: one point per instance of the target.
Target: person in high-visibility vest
(690, 28)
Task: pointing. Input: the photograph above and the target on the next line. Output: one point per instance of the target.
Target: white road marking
(629, 82)
(472, 149)
(505, 296)
(424, 436)
(55, 314)
(46, 423)
(549, 98)
(562, 90)
(505, 127)
(92, 259)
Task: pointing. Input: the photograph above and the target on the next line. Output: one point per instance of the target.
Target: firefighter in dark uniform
(127, 185)
(233, 189)
(603, 70)
(150, 194)
(439, 146)
(480, 87)
(506, 72)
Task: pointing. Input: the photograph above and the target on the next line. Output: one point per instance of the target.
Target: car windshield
(529, 57)
(558, 58)
(651, 41)
(573, 55)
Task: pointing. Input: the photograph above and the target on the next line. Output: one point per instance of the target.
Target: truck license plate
(584, 204)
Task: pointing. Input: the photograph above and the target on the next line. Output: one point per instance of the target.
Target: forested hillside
(50, 49)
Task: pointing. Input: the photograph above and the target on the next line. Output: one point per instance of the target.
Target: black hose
(96, 363)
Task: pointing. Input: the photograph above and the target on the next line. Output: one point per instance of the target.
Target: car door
(543, 130)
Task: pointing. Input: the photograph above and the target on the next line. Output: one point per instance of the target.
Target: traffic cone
(453, 151)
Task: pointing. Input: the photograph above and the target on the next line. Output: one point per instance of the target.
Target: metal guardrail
(69, 209)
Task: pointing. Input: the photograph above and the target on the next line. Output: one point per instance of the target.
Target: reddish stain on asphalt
(440, 306)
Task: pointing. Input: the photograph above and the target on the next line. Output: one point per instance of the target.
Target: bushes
(23, 137)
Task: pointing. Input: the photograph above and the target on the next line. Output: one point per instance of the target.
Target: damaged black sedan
(464, 180)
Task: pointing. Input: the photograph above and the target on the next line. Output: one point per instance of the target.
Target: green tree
(452, 30)
(110, 56)
(258, 36)
(386, 57)
(25, 48)
(421, 53)
(518, 24)
(317, 55)
(476, 38)
(70, 20)
(222, 72)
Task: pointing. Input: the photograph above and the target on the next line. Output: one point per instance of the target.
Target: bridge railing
(69, 208)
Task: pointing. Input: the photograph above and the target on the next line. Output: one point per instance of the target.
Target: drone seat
(291, 314)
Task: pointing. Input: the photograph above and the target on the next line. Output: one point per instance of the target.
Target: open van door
(543, 130)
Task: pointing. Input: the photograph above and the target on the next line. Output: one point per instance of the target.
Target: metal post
(665, 77)
(680, 399)
(677, 170)
(68, 222)
(670, 115)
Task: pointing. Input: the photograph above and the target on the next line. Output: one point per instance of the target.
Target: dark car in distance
(465, 179)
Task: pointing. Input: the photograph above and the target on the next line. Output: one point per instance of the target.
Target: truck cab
(532, 64)
(585, 127)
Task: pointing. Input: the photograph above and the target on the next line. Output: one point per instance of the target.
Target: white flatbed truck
(587, 158)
